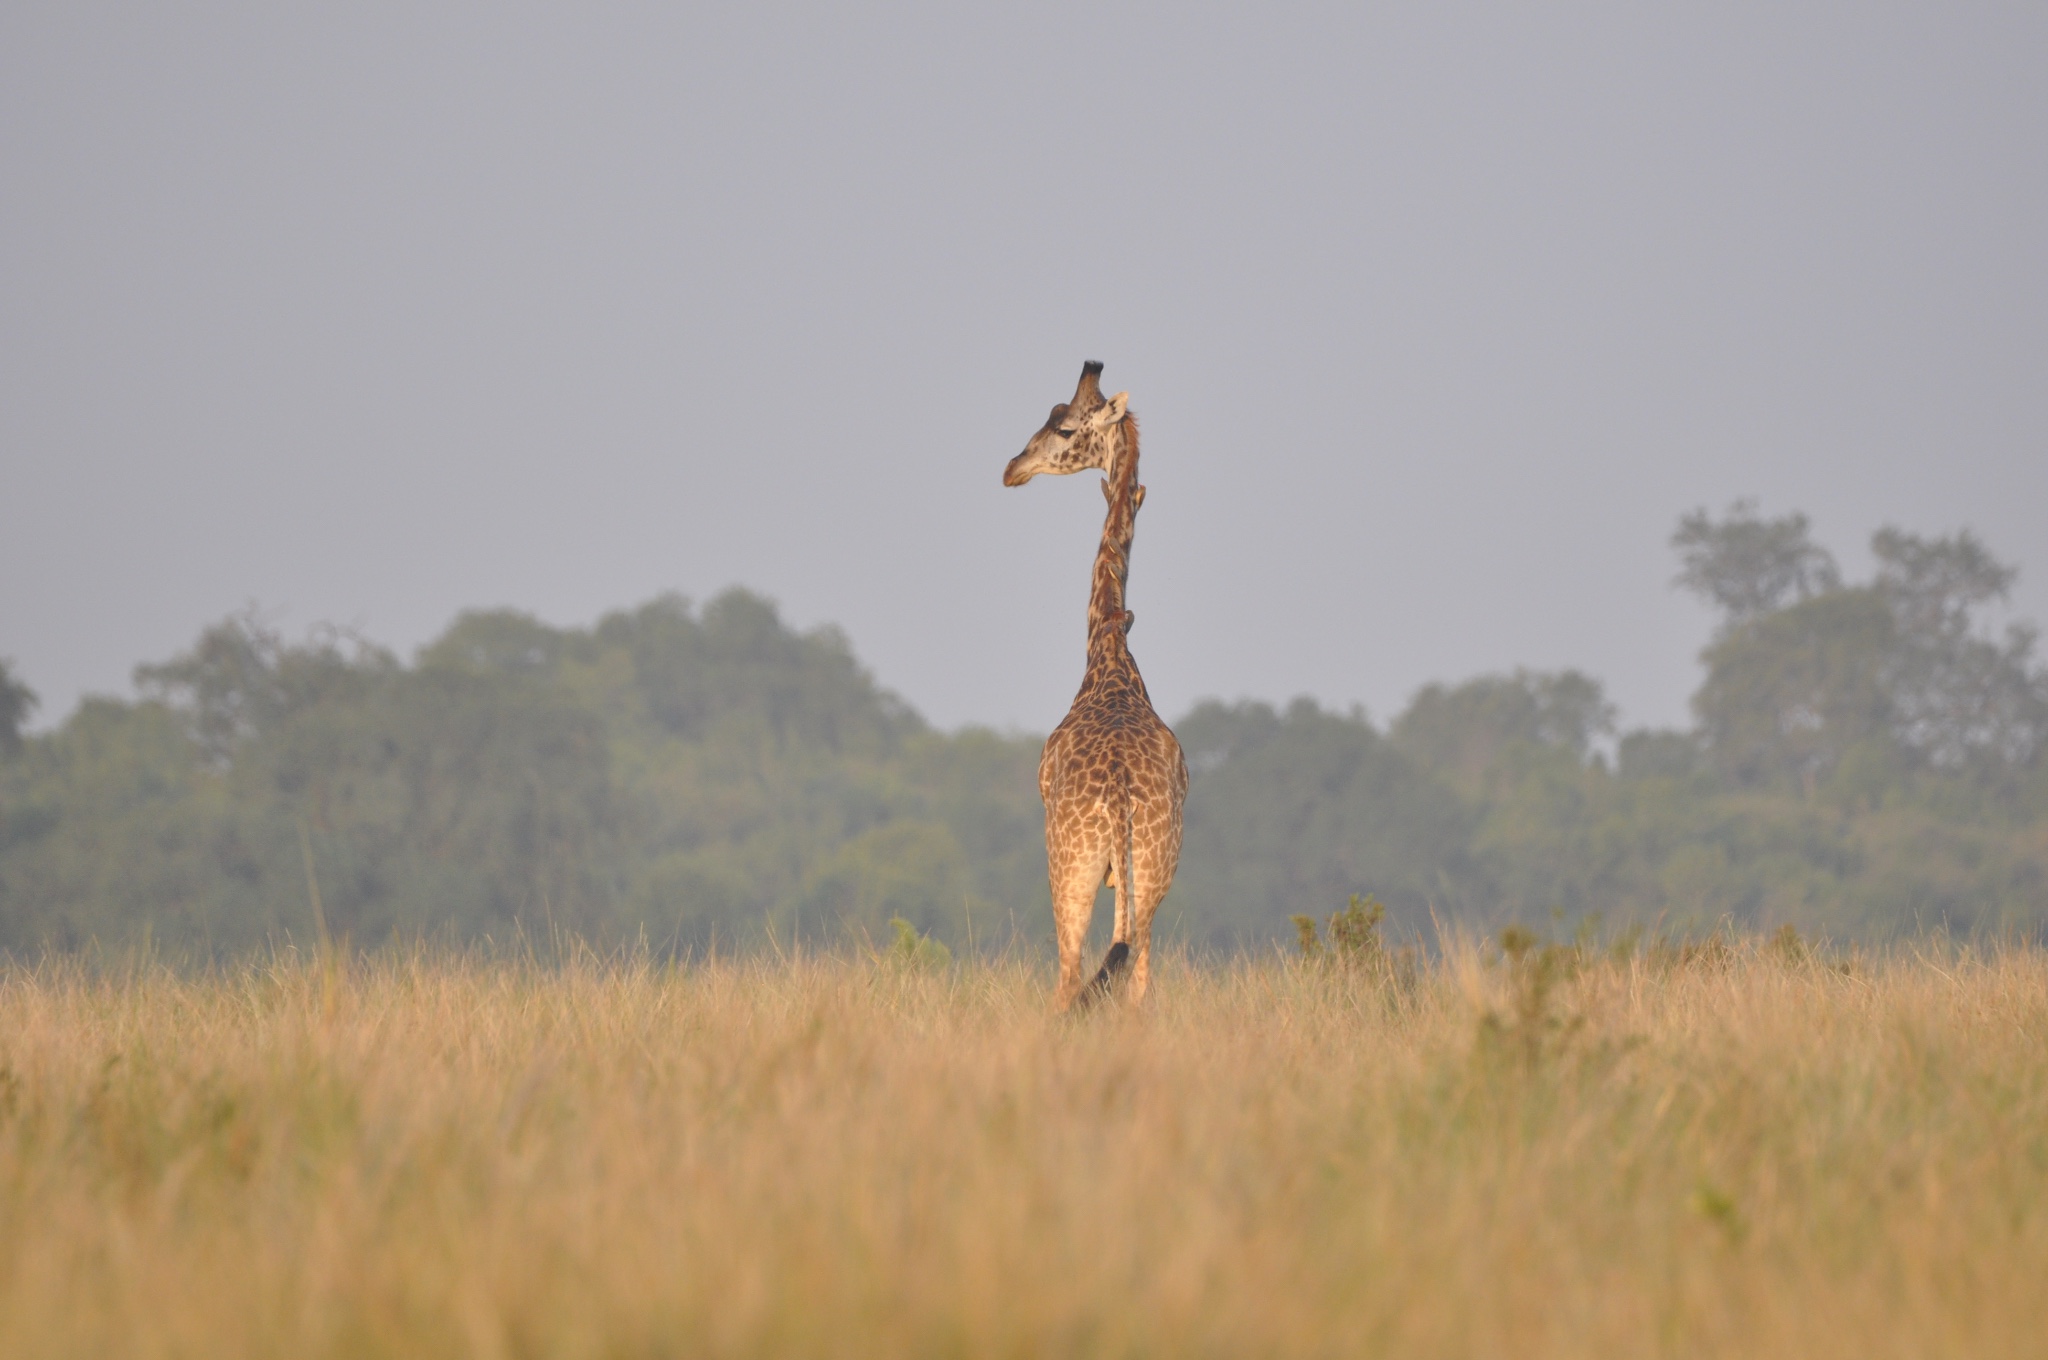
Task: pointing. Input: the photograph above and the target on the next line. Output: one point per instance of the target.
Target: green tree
(17, 701)
(1748, 566)
(737, 666)
(1789, 693)
(1301, 808)
(914, 871)
(1867, 761)
(1895, 671)
(1958, 696)
(241, 680)
(1468, 733)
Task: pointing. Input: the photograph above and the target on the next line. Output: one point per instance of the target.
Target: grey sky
(1436, 318)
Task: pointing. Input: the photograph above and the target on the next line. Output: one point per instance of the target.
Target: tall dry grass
(1744, 1152)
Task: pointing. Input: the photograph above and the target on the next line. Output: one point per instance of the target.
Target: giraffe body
(1112, 774)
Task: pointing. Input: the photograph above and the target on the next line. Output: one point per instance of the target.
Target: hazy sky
(1436, 317)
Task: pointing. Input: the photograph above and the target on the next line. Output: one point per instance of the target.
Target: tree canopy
(17, 701)
(1749, 566)
(1867, 759)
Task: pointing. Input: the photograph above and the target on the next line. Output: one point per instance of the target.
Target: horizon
(43, 721)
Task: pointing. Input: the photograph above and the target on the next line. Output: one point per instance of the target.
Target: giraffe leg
(1141, 947)
(1122, 929)
(1073, 903)
(1153, 875)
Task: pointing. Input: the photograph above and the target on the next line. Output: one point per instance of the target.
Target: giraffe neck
(1107, 619)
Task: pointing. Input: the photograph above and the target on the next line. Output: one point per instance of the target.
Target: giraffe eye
(1066, 434)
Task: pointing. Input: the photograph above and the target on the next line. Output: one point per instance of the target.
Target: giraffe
(1112, 775)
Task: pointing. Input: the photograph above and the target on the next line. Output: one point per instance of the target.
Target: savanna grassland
(1739, 1148)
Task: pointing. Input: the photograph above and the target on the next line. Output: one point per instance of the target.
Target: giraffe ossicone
(1112, 774)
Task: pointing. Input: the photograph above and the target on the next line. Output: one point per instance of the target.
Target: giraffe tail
(1119, 954)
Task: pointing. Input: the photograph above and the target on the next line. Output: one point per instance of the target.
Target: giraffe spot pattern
(1112, 775)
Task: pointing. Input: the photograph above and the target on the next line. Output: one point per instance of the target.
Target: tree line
(1866, 760)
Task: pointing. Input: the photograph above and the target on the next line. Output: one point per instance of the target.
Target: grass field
(1736, 1150)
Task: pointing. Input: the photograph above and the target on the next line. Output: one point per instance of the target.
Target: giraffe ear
(1113, 410)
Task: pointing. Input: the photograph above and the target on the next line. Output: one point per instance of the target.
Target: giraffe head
(1081, 433)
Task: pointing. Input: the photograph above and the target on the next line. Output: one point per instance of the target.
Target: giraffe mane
(1108, 578)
